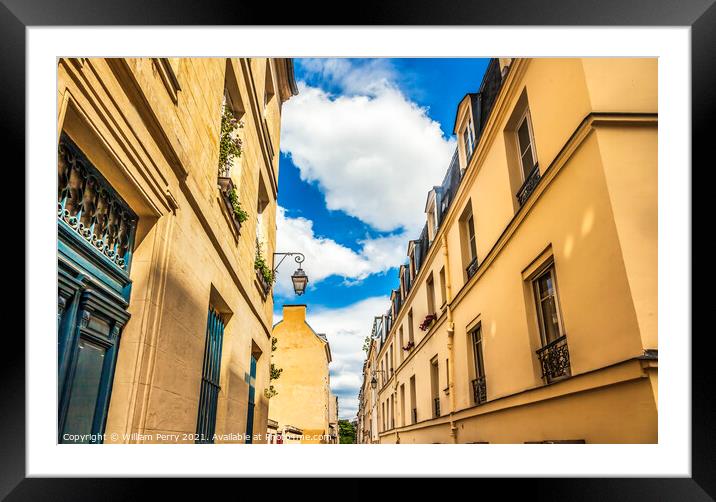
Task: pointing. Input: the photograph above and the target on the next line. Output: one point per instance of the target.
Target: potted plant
(427, 322)
(409, 345)
(264, 274)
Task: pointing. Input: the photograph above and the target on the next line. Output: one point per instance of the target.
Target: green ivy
(239, 212)
(275, 373)
(263, 268)
(229, 147)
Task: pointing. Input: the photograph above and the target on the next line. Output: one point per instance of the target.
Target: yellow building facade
(527, 309)
(303, 400)
(164, 316)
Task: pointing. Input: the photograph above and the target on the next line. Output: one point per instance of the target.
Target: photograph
(357, 250)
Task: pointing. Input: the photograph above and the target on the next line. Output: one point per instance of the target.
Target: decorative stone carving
(89, 206)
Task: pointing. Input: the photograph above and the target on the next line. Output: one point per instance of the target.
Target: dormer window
(432, 216)
(468, 136)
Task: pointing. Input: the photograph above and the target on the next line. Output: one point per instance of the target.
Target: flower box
(427, 322)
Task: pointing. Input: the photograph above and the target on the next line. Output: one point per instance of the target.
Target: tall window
(402, 405)
(472, 245)
(402, 343)
(547, 306)
(413, 401)
(554, 353)
(479, 388)
(469, 247)
(468, 139)
(206, 422)
(411, 337)
(430, 286)
(252, 400)
(435, 385)
(443, 287)
(525, 142)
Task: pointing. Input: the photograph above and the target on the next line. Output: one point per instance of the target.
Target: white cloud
(368, 77)
(374, 153)
(325, 257)
(346, 328)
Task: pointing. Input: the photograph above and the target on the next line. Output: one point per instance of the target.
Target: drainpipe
(451, 338)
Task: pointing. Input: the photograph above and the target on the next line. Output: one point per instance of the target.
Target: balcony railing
(436, 406)
(529, 185)
(554, 358)
(415, 415)
(479, 390)
(471, 268)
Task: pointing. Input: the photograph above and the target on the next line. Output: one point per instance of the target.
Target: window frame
(525, 116)
(547, 269)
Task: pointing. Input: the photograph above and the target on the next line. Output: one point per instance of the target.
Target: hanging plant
(263, 268)
(239, 212)
(229, 143)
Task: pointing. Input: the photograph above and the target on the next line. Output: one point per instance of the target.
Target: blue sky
(361, 145)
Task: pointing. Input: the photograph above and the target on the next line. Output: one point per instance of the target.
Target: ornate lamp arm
(299, 257)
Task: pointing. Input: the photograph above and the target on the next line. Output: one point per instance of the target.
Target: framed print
(433, 242)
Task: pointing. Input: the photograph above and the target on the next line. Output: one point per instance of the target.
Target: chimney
(294, 312)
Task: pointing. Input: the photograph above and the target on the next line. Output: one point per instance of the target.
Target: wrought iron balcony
(479, 390)
(554, 358)
(471, 268)
(529, 185)
(436, 406)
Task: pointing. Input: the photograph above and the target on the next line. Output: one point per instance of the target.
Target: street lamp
(374, 380)
(299, 277)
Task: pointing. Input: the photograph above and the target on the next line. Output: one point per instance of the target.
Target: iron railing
(554, 358)
(436, 406)
(415, 415)
(479, 390)
(529, 185)
(471, 268)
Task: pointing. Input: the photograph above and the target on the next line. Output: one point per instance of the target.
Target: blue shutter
(206, 422)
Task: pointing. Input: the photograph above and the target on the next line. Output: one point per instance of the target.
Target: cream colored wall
(594, 214)
(162, 157)
(303, 391)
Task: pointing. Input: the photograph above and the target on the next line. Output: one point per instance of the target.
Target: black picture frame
(700, 15)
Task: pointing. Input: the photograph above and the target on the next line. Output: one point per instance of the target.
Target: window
(468, 139)
(472, 247)
(443, 287)
(435, 385)
(554, 353)
(402, 405)
(262, 203)
(479, 388)
(431, 294)
(402, 342)
(413, 408)
(547, 306)
(525, 142)
(411, 338)
(268, 89)
(206, 422)
(469, 243)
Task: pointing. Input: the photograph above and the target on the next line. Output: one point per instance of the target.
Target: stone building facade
(164, 320)
(527, 308)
